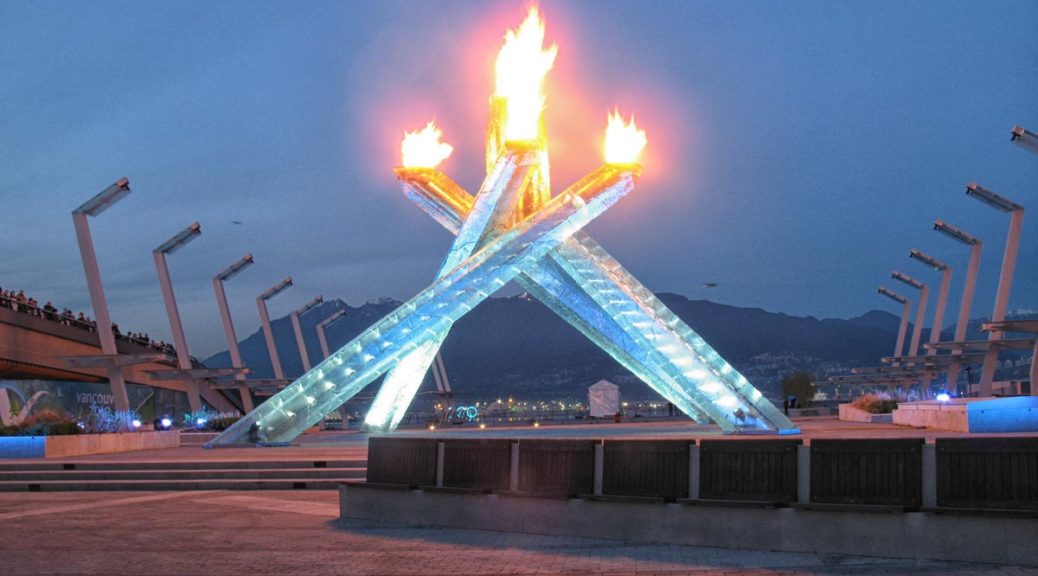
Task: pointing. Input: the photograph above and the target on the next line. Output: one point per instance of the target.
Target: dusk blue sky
(797, 150)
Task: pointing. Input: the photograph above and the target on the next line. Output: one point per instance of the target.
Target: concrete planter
(849, 413)
(84, 444)
(986, 415)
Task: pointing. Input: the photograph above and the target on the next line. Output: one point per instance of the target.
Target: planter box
(84, 444)
(986, 415)
(849, 413)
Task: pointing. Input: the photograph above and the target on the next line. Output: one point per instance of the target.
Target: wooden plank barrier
(477, 464)
(410, 461)
(869, 472)
(556, 467)
(754, 470)
(649, 468)
(992, 473)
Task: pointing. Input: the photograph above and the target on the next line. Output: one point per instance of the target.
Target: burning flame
(423, 149)
(521, 67)
(623, 141)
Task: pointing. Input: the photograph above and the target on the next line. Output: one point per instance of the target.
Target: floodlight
(275, 289)
(177, 242)
(80, 216)
(104, 199)
(928, 260)
(136, 423)
(892, 295)
(308, 306)
(166, 423)
(907, 280)
(943, 397)
(233, 269)
(1025, 138)
(338, 314)
(991, 199)
(954, 233)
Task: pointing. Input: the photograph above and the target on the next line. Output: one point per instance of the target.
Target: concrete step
(163, 485)
(181, 474)
(181, 465)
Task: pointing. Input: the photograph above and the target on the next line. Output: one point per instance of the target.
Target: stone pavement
(298, 532)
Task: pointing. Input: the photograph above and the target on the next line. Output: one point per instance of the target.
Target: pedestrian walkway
(298, 532)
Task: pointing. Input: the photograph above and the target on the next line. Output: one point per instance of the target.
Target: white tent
(604, 398)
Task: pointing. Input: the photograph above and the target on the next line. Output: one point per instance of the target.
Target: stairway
(180, 475)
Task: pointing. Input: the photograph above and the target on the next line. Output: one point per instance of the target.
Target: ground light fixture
(159, 254)
(228, 326)
(94, 207)
(268, 333)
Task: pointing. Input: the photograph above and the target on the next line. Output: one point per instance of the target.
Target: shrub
(48, 423)
(102, 419)
(221, 423)
(875, 403)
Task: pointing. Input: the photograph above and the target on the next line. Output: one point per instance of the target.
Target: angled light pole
(93, 207)
(268, 333)
(299, 331)
(942, 293)
(1025, 138)
(906, 307)
(322, 337)
(962, 324)
(1005, 278)
(179, 340)
(228, 325)
(920, 314)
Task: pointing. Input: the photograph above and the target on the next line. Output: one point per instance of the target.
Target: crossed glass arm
(423, 321)
(581, 283)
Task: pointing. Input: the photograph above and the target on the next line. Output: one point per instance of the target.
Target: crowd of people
(19, 302)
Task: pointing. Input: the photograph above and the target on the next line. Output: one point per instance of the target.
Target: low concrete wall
(849, 413)
(933, 414)
(84, 444)
(973, 538)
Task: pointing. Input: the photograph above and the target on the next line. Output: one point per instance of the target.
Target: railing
(975, 473)
(68, 319)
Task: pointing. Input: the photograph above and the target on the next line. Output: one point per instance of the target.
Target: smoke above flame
(521, 67)
(623, 141)
(423, 149)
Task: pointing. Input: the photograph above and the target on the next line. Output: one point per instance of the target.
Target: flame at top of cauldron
(624, 141)
(521, 67)
(423, 149)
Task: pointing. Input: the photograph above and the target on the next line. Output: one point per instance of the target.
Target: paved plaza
(298, 532)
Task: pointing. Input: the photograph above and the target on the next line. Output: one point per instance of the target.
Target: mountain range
(516, 347)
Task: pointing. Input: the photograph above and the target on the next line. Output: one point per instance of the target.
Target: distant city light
(136, 423)
(200, 421)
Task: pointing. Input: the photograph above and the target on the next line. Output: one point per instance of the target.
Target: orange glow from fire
(624, 141)
(423, 149)
(521, 67)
